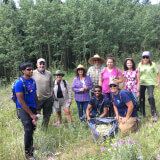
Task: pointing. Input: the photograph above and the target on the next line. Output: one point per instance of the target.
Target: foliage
(69, 33)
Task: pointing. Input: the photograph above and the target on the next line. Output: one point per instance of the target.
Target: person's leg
(80, 109)
(68, 114)
(151, 99)
(28, 129)
(59, 117)
(142, 100)
(47, 111)
(85, 104)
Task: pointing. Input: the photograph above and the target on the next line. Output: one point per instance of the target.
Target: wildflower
(15, 128)
(129, 141)
(114, 145)
(103, 149)
(50, 158)
(120, 142)
(109, 150)
(139, 147)
(135, 142)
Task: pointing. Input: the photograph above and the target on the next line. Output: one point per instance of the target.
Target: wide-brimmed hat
(80, 66)
(59, 72)
(91, 60)
(41, 60)
(146, 53)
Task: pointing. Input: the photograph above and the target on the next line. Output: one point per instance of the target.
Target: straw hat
(91, 60)
(80, 66)
(59, 72)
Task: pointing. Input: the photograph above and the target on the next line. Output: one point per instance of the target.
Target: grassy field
(75, 141)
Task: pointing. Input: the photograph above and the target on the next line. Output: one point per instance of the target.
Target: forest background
(69, 33)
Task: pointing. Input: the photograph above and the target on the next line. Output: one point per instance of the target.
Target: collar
(41, 72)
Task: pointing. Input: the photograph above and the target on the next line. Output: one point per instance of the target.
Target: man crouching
(98, 105)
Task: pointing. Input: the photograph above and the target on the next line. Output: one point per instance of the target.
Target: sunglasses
(97, 91)
(147, 57)
(112, 85)
(59, 74)
(29, 69)
(80, 69)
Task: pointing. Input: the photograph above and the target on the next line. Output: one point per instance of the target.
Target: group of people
(96, 92)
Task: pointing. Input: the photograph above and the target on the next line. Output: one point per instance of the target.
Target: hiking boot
(154, 118)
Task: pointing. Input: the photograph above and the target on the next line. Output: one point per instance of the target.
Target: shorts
(60, 104)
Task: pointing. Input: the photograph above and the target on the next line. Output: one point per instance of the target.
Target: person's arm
(129, 111)
(51, 85)
(158, 79)
(21, 101)
(37, 106)
(69, 90)
(138, 84)
(100, 81)
(116, 111)
(88, 111)
(120, 79)
(124, 80)
(105, 111)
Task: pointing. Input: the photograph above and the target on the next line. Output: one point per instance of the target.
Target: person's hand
(124, 120)
(38, 111)
(86, 88)
(116, 117)
(137, 95)
(69, 103)
(34, 117)
(88, 118)
(82, 90)
(157, 85)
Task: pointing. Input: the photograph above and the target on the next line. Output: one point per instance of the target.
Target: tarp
(106, 120)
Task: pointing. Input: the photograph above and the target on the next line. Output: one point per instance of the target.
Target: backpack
(134, 101)
(14, 97)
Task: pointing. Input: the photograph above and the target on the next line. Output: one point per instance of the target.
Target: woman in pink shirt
(108, 74)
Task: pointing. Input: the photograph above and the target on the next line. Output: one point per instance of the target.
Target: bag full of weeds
(102, 128)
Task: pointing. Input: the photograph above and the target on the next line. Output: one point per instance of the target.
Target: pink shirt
(131, 80)
(108, 76)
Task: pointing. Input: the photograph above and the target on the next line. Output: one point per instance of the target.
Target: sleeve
(91, 101)
(51, 82)
(106, 103)
(90, 84)
(69, 90)
(19, 86)
(125, 97)
(74, 87)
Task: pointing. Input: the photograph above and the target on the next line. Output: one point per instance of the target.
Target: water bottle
(35, 122)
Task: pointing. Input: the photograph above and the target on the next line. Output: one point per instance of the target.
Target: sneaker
(154, 118)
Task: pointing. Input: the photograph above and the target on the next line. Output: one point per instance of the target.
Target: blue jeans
(151, 99)
(82, 106)
(28, 130)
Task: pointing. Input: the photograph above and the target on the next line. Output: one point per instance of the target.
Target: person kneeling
(98, 105)
(124, 109)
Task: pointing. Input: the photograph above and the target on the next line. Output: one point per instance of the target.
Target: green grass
(75, 141)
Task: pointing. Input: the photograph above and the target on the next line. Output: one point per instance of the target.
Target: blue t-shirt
(31, 88)
(120, 103)
(99, 105)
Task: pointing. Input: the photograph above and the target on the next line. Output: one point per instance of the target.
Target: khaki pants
(129, 126)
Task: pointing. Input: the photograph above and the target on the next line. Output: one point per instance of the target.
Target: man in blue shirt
(98, 105)
(124, 109)
(27, 103)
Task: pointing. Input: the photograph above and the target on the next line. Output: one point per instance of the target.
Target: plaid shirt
(94, 74)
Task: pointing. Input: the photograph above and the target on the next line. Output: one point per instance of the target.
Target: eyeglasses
(112, 85)
(97, 91)
(147, 57)
(29, 69)
(97, 60)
